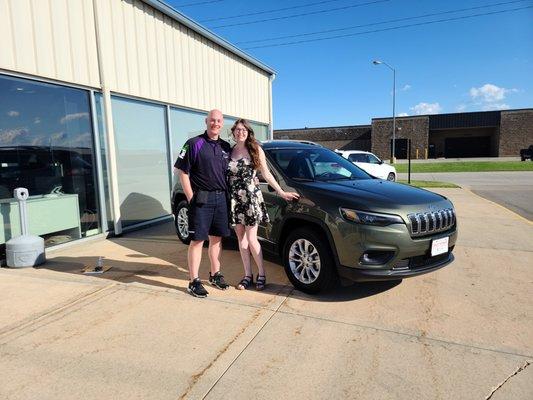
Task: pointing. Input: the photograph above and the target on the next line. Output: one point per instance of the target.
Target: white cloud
(461, 107)
(403, 115)
(489, 93)
(405, 87)
(72, 117)
(58, 136)
(37, 120)
(9, 136)
(13, 113)
(426, 108)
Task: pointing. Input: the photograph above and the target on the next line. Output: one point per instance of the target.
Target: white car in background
(370, 163)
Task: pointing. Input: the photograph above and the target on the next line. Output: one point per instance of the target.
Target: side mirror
(380, 162)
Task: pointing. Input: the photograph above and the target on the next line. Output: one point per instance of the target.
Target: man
(202, 165)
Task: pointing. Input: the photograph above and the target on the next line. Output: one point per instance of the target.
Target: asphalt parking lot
(462, 332)
(513, 190)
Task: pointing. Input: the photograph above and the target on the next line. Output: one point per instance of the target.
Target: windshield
(318, 164)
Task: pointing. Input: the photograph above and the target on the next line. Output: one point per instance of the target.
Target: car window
(315, 164)
(372, 159)
(358, 157)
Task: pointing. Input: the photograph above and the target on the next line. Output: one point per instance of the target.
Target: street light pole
(377, 62)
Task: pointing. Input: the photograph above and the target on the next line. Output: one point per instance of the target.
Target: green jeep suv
(346, 223)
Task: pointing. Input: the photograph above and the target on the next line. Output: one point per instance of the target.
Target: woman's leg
(255, 248)
(244, 249)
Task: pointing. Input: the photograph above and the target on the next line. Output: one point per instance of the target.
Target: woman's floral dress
(246, 200)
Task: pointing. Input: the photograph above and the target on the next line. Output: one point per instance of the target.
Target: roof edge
(183, 19)
(307, 128)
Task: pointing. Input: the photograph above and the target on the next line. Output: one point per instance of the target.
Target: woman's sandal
(245, 282)
(260, 282)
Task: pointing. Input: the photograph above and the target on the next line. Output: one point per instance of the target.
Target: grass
(430, 184)
(467, 166)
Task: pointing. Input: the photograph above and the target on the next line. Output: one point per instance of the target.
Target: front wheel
(391, 177)
(181, 221)
(308, 261)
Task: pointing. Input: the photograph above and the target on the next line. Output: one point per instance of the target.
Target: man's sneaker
(197, 289)
(218, 280)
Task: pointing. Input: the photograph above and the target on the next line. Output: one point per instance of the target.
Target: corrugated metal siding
(465, 120)
(50, 38)
(147, 54)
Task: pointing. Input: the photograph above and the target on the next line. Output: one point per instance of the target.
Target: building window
(142, 160)
(184, 125)
(260, 131)
(46, 146)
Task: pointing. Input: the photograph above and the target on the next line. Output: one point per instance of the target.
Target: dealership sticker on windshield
(439, 246)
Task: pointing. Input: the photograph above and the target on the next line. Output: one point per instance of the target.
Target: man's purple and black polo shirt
(206, 162)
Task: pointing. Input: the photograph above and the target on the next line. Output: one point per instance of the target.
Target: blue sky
(472, 64)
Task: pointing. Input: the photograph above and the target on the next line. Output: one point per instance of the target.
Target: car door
(273, 204)
(376, 166)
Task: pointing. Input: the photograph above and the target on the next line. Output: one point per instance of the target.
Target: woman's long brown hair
(250, 143)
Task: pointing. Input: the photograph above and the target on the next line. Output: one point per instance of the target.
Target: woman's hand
(289, 196)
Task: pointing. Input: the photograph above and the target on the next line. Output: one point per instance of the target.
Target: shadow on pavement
(121, 271)
(354, 291)
(154, 256)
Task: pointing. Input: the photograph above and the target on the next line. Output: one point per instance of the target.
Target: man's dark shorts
(210, 218)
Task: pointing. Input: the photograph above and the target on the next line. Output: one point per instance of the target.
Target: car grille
(422, 224)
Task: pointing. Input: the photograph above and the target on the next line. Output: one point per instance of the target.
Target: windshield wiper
(344, 178)
(302, 179)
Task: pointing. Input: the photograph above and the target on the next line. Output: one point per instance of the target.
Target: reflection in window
(46, 146)
(142, 160)
(185, 124)
(260, 130)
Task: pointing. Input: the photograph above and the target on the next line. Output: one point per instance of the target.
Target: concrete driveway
(463, 332)
(513, 190)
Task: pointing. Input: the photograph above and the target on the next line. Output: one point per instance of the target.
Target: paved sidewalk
(511, 189)
(462, 332)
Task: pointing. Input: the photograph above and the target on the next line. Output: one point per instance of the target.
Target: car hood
(379, 195)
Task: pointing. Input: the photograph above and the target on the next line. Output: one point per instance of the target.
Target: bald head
(214, 123)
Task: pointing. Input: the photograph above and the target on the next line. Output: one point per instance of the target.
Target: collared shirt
(205, 161)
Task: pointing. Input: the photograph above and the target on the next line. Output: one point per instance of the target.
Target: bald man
(202, 165)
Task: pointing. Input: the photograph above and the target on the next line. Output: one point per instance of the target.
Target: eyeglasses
(241, 130)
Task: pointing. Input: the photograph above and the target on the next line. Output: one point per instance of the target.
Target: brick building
(474, 134)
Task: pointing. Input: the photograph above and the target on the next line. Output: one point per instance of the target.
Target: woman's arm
(263, 167)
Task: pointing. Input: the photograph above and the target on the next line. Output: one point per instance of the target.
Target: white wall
(144, 54)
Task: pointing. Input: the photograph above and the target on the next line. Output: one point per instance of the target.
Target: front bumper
(410, 256)
(365, 275)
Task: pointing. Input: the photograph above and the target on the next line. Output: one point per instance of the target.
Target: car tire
(317, 271)
(391, 177)
(181, 222)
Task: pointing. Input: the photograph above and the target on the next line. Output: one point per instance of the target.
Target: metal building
(97, 97)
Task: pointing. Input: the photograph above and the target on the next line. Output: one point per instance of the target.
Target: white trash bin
(25, 250)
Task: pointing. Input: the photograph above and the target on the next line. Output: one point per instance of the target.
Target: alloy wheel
(183, 222)
(304, 261)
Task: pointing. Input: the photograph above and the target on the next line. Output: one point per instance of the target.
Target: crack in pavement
(196, 377)
(248, 344)
(518, 370)
(51, 313)
(407, 334)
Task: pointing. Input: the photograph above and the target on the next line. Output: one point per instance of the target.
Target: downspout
(271, 124)
(110, 132)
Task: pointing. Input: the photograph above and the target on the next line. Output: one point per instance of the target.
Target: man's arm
(186, 185)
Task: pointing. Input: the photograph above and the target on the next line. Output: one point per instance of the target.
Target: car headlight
(370, 218)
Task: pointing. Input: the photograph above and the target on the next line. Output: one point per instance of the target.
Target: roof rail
(292, 140)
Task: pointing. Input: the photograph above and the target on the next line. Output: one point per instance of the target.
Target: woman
(247, 208)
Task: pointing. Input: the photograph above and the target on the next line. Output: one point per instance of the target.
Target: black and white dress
(247, 206)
